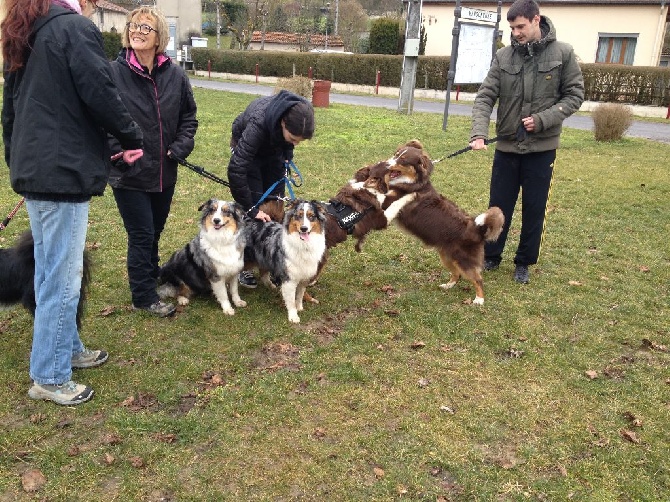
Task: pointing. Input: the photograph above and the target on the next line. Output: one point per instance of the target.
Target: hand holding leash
(129, 156)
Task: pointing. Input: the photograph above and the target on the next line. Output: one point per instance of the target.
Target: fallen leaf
(136, 462)
(387, 288)
(32, 480)
(319, 433)
(591, 374)
(644, 268)
(111, 439)
(379, 472)
(392, 313)
(575, 283)
(423, 382)
(630, 436)
(418, 345)
(447, 409)
(109, 459)
(653, 345)
(108, 310)
(634, 421)
(402, 490)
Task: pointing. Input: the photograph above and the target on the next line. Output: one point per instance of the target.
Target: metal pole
(451, 74)
(411, 57)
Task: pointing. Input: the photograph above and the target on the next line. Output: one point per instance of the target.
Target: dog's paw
(182, 300)
(448, 285)
(228, 309)
(478, 300)
(240, 303)
(293, 317)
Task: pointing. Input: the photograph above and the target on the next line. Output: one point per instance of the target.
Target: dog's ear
(414, 143)
(319, 209)
(362, 174)
(205, 204)
(427, 164)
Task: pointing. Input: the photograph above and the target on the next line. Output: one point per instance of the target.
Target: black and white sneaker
(247, 279)
(521, 274)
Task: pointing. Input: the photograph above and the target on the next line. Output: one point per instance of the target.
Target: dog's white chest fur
(302, 257)
(224, 249)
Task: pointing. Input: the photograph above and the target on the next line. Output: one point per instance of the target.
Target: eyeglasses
(144, 29)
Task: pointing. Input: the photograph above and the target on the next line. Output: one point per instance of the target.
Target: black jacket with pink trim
(162, 103)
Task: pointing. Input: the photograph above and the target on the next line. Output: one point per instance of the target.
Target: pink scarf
(68, 4)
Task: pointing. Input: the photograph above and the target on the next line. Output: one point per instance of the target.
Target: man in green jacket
(537, 83)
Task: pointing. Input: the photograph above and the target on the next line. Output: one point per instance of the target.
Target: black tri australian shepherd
(290, 251)
(17, 276)
(438, 222)
(211, 261)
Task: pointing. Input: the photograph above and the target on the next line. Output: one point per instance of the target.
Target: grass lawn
(390, 388)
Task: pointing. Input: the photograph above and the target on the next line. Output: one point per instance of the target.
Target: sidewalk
(431, 94)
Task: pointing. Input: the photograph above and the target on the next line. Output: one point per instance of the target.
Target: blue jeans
(59, 232)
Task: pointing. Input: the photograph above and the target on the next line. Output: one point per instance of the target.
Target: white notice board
(475, 46)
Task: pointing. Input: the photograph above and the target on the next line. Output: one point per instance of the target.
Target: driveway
(639, 129)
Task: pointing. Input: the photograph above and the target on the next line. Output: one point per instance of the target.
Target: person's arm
(8, 112)
(244, 173)
(572, 95)
(184, 141)
(90, 71)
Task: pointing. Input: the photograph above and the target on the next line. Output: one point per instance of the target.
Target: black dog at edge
(17, 272)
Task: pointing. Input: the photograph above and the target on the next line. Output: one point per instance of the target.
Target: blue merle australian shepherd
(290, 251)
(211, 261)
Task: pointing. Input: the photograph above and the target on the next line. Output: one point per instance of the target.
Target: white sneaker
(67, 394)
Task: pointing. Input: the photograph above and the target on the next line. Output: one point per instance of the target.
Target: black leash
(11, 214)
(466, 149)
(201, 171)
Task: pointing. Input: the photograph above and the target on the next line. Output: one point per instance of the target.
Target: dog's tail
(491, 223)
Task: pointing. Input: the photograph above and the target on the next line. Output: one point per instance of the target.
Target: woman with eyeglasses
(59, 103)
(158, 94)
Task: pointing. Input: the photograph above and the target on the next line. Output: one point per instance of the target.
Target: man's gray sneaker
(161, 309)
(521, 274)
(247, 279)
(67, 394)
(89, 359)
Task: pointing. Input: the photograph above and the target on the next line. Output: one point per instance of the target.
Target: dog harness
(345, 215)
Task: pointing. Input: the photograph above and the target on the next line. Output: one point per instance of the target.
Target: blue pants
(532, 174)
(59, 232)
(144, 215)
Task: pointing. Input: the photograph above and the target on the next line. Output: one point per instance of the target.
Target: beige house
(184, 20)
(601, 31)
(109, 16)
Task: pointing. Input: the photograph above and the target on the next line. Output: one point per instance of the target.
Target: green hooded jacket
(542, 79)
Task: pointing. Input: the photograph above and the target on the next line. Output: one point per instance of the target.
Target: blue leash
(288, 179)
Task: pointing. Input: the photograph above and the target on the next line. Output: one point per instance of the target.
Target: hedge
(638, 85)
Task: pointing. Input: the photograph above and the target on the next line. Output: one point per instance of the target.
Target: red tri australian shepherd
(438, 222)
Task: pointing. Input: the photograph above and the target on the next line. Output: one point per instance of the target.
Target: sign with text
(478, 15)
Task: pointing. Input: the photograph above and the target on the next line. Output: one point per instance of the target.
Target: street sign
(478, 15)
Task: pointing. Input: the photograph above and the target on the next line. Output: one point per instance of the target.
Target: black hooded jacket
(259, 149)
(163, 104)
(57, 108)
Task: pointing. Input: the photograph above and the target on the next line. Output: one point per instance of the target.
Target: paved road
(639, 129)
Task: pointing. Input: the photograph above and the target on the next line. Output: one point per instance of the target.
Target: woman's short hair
(299, 120)
(158, 17)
